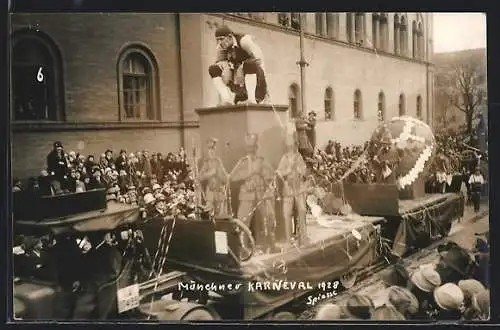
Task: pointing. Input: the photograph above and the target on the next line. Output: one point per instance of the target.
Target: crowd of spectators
(446, 290)
(159, 184)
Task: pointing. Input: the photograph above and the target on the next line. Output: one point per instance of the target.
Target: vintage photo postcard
(249, 166)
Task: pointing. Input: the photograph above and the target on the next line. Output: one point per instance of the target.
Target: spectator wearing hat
(109, 157)
(476, 182)
(482, 258)
(57, 164)
(455, 263)
(311, 128)
(470, 288)
(121, 161)
(358, 307)
(449, 299)
(239, 62)
(422, 284)
(387, 313)
(96, 181)
(403, 300)
(395, 275)
(481, 302)
(329, 312)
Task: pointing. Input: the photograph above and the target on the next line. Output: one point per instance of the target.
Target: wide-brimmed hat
(470, 287)
(395, 275)
(426, 279)
(455, 257)
(359, 307)
(481, 302)
(387, 312)
(329, 312)
(449, 297)
(58, 144)
(403, 299)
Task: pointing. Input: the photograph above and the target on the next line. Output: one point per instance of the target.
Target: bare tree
(468, 94)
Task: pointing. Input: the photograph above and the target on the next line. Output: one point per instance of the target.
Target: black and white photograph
(290, 166)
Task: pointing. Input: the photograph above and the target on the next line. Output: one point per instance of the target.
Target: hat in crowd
(223, 31)
(358, 307)
(123, 151)
(58, 144)
(149, 198)
(402, 299)
(329, 312)
(481, 302)
(455, 257)
(131, 187)
(160, 197)
(313, 113)
(395, 275)
(426, 279)
(146, 190)
(470, 287)
(449, 296)
(156, 186)
(131, 155)
(387, 312)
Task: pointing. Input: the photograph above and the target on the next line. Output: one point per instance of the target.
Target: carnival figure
(239, 73)
(215, 178)
(292, 169)
(256, 198)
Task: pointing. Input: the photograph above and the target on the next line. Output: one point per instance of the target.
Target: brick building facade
(125, 80)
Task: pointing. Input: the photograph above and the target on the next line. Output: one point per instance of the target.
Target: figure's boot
(251, 85)
(224, 92)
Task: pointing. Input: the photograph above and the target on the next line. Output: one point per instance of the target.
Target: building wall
(338, 65)
(90, 44)
(183, 47)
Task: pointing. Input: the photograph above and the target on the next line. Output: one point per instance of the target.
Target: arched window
(419, 107)
(295, 21)
(37, 86)
(359, 28)
(358, 105)
(402, 105)
(403, 36)
(293, 100)
(381, 106)
(138, 81)
(329, 104)
(420, 41)
(350, 27)
(284, 19)
(383, 32)
(396, 34)
(414, 40)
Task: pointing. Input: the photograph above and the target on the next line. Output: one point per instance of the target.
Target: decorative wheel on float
(247, 242)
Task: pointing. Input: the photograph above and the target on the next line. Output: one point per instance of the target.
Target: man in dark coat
(57, 164)
(122, 161)
(311, 128)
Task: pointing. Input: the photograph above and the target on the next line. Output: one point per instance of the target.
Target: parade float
(98, 259)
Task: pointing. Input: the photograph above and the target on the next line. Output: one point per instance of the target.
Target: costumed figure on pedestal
(214, 177)
(239, 73)
(256, 196)
(292, 169)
